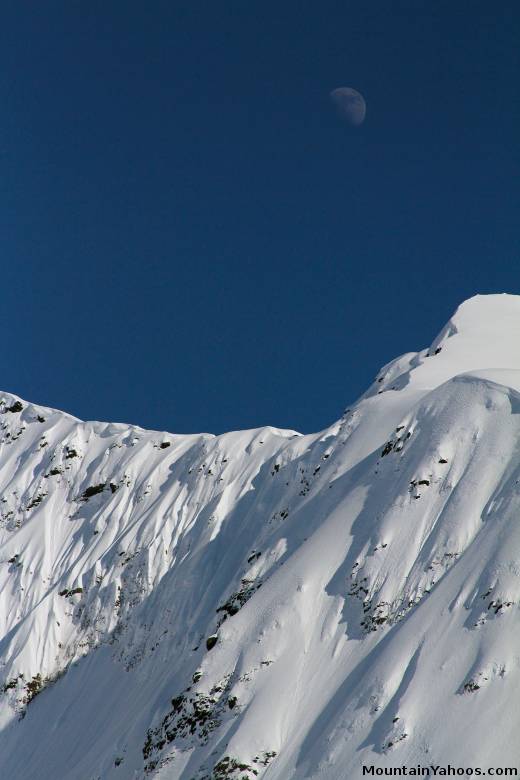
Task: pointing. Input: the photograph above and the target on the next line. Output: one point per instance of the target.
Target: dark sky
(191, 238)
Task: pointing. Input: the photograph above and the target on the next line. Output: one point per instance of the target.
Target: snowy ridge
(266, 604)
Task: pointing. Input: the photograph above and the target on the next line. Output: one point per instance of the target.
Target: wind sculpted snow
(266, 604)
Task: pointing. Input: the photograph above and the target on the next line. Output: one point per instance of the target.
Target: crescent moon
(350, 105)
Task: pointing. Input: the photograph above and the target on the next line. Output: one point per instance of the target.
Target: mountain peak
(490, 319)
(265, 604)
(481, 337)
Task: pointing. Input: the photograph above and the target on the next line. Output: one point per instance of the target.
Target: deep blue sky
(191, 239)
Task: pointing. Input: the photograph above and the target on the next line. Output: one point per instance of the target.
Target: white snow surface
(364, 607)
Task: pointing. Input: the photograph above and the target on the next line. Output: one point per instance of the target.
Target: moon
(350, 105)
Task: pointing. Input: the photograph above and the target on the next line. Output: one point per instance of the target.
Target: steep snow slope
(265, 604)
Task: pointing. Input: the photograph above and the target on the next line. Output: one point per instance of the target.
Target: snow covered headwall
(267, 604)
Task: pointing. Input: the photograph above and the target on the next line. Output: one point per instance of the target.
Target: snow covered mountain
(266, 604)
